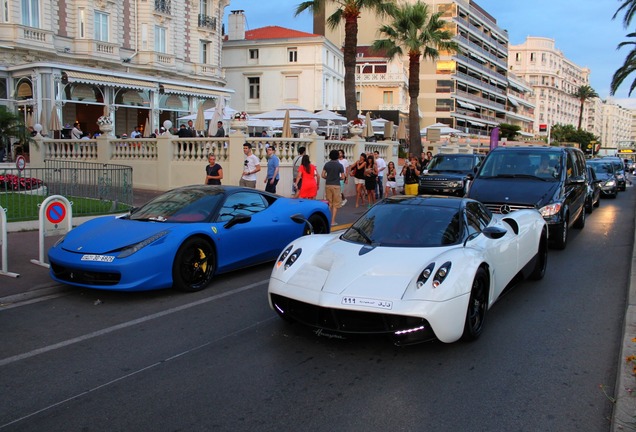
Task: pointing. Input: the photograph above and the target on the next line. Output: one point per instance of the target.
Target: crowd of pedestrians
(368, 172)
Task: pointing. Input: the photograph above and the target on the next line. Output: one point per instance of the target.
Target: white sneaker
(342, 204)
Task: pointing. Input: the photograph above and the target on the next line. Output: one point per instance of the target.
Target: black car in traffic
(604, 171)
(448, 173)
(593, 196)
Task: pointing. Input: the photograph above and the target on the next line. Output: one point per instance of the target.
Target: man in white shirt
(345, 164)
(136, 133)
(76, 133)
(251, 166)
(379, 189)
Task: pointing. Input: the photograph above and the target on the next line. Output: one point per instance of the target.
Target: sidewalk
(34, 281)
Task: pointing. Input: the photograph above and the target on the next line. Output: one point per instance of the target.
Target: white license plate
(99, 258)
(367, 302)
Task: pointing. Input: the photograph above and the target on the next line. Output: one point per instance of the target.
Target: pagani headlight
(441, 274)
(129, 250)
(424, 275)
(288, 258)
(293, 257)
(283, 256)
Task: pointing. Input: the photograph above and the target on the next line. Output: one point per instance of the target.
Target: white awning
(466, 104)
(525, 134)
(474, 123)
(109, 80)
(513, 101)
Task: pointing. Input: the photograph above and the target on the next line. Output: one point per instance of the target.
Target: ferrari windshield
(396, 224)
(179, 206)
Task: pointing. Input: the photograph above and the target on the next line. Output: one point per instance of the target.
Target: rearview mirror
(238, 219)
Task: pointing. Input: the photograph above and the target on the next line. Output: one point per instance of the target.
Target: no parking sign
(56, 218)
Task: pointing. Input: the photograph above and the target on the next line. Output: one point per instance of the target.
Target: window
(518, 57)
(160, 39)
(101, 26)
(532, 58)
(291, 88)
(204, 52)
(292, 55)
(387, 97)
(242, 203)
(253, 54)
(5, 11)
(254, 90)
(82, 23)
(31, 13)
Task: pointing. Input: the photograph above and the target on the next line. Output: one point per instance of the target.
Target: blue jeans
(379, 190)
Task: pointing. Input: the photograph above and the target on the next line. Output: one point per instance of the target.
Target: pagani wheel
(318, 223)
(477, 306)
(194, 265)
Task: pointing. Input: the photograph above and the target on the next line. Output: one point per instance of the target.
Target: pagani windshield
(179, 206)
(396, 224)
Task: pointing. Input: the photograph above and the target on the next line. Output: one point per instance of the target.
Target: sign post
(56, 218)
(3, 245)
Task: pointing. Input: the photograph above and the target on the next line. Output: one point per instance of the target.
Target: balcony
(208, 70)
(207, 22)
(162, 6)
(396, 79)
(95, 48)
(20, 36)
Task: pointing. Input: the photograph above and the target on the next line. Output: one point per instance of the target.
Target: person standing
(345, 165)
(192, 133)
(213, 172)
(220, 131)
(251, 166)
(391, 173)
(370, 179)
(411, 172)
(357, 171)
(307, 179)
(136, 133)
(295, 165)
(273, 165)
(381, 164)
(333, 173)
(76, 132)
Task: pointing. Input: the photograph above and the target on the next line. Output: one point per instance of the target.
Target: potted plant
(356, 127)
(12, 127)
(239, 121)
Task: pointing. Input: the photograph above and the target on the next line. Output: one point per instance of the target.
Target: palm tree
(11, 126)
(628, 67)
(349, 10)
(415, 32)
(584, 93)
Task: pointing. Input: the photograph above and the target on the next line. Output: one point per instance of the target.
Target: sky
(583, 31)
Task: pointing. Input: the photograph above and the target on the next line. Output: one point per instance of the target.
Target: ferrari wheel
(193, 266)
(319, 225)
(477, 306)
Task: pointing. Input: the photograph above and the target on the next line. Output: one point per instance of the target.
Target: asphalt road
(221, 360)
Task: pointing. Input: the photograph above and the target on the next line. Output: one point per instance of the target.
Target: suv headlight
(610, 183)
(550, 209)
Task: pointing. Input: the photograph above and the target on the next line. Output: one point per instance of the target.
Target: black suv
(447, 174)
(551, 179)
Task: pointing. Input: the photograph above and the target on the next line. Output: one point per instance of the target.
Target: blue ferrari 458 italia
(183, 238)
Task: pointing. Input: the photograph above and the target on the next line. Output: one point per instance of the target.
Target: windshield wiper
(363, 234)
(517, 176)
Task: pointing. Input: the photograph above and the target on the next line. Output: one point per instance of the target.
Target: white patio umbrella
(147, 128)
(217, 116)
(401, 132)
(228, 112)
(295, 113)
(287, 133)
(368, 126)
(443, 129)
(199, 121)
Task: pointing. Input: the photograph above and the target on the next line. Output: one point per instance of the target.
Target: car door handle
(275, 219)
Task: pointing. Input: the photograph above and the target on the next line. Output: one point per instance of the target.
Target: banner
(494, 138)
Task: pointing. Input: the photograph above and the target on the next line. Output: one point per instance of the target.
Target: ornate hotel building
(143, 59)
(469, 90)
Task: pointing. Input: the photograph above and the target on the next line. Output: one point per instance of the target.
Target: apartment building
(520, 108)
(274, 66)
(554, 79)
(151, 59)
(617, 127)
(468, 90)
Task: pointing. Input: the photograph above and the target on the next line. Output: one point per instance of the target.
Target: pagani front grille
(71, 275)
(348, 321)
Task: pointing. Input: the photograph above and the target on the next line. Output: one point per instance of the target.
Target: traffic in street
(220, 359)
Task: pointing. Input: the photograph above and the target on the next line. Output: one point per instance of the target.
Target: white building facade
(275, 66)
(617, 127)
(143, 60)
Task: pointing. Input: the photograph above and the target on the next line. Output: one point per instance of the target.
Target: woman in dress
(370, 179)
(357, 172)
(308, 173)
(391, 173)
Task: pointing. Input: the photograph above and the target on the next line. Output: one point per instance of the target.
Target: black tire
(598, 202)
(542, 260)
(319, 223)
(579, 223)
(589, 205)
(194, 265)
(477, 306)
(561, 237)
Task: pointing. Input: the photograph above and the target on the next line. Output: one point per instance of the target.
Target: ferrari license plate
(98, 258)
(367, 302)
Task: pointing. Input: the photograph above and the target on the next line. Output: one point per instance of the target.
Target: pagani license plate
(367, 302)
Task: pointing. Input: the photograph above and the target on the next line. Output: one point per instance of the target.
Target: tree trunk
(581, 113)
(415, 140)
(350, 54)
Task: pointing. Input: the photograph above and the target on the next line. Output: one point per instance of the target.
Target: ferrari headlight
(426, 273)
(550, 209)
(128, 251)
(441, 274)
(292, 258)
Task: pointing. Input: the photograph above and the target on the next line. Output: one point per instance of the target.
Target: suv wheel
(579, 223)
(561, 238)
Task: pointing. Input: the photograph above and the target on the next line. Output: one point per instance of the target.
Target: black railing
(162, 6)
(207, 21)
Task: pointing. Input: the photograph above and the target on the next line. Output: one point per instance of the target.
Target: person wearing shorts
(333, 173)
